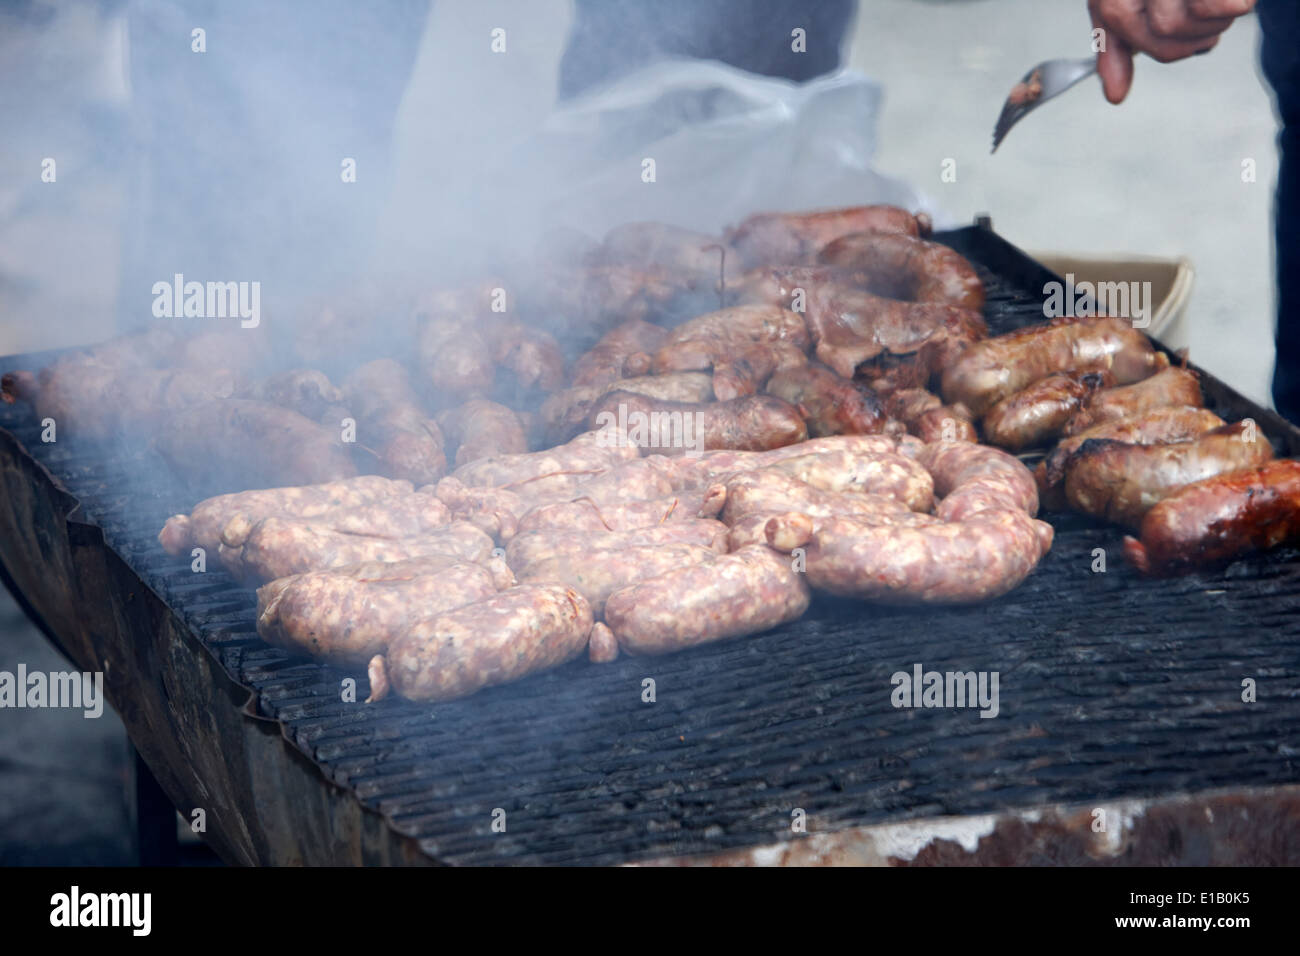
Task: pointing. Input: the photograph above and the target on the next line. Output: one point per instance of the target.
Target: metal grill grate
(1110, 687)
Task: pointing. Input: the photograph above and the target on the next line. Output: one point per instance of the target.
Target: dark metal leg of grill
(155, 820)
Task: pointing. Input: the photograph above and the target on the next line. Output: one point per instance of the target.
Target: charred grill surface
(1111, 687)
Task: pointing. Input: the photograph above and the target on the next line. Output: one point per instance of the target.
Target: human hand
(1165, 30)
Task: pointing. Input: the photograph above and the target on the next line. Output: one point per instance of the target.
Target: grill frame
(210, 707)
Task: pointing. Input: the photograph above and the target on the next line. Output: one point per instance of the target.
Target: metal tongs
(1050, 78)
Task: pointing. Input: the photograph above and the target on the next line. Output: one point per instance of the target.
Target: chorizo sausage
(565, 413)
(744, 592)
(605, 361)
(585, 514)
(829, 403)
(752, 423)
(516, 632)
(990, 370)
(1216, 519)
(1168, 387)
(884, 473)
(968, 476)
(769, 491)
(237, 443)
(784, 238)
(751, 323)
(347, 615)
(392, 424)
(307, 391)
(905, 267)
(480, 429)
(1041, 411)
(1119, 482)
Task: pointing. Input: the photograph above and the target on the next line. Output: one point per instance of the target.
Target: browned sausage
(392, 423)
(349, 614)
(752, 423)
(530, 354)
(750, 323)
(1119, 482)
(692, 256)
(1220, 518)
(204, 525)
(829, 403)
(784, 238)
(454, 356)
(494, 641)
(1169, 387)
(565, 413)
(850, 327)
(945, 423)
(989, 371)
(307, 391)
(278, 547)
(904, 267)
(480, 429)
(1034, 415)
(745, 592)
(237, 443)
(1156, 426)
(605, 361)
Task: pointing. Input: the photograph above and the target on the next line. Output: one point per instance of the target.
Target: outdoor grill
(1115, 692)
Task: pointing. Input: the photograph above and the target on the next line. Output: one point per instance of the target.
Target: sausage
(747, 369)
(480, 429)
(605, 361)
(769, 491)
(530, 354)
(565, 413)
(829, 403)
(278, 547)
(602, 645)
(347, 615)
(851, 326)
(1216, 519)
(400, 516)
(238, 443)
(1119, 482)
(495, 511)
(945, 423)
(101, 403)
(750, 323)
(600, 572)
(205, 524)
(692, 256)
(715, 466)
(883, 473)
(905, 267)
(307, 391)
(585, 514)
(589, 453)
(988, 371)
(454, 357)
(1156, 426)
(1168, 387)
(982, 541)
(392, 423)
(976, 559)
(969, 477)
(1039, 412)
(526, 549)
(790, 237)
(745, 592)
(783, 530)
(523, 629)
(752, 423)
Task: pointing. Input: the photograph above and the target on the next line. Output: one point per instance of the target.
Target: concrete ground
(1160, 175)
